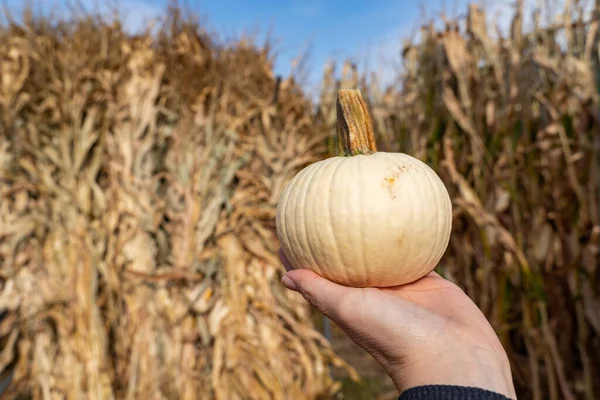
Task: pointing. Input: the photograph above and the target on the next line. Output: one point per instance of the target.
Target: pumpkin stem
(354, 125)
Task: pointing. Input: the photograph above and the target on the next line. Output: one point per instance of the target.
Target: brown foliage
(138, 183)
(512, 127)
(139, 178)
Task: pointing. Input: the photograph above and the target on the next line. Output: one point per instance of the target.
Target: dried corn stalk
(138, 183)
(513, 129)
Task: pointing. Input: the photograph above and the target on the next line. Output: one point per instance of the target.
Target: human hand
(424, 333)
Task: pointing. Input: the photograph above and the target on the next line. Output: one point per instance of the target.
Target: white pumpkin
(367, 218)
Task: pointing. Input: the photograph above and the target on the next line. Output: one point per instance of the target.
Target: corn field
(139, 183)
(139, 177)
(512, 126)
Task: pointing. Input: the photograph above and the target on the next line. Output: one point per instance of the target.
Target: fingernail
(289, 283)
(286, 264)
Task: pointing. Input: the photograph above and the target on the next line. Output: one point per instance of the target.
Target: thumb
(329, 298)
(375, 331)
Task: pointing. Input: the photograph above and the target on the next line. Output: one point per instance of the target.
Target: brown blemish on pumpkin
(400, 240)
(406, 168)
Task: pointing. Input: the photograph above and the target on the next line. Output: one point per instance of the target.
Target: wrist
(473, 366)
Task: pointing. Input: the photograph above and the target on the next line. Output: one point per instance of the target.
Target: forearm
(474, 367)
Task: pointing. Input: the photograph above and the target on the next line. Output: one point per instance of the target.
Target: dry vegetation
(138, 189)
(513, 128)
(139, 178)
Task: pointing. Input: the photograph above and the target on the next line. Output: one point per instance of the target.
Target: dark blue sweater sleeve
(446, 392)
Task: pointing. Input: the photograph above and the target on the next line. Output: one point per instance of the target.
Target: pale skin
(424, 333)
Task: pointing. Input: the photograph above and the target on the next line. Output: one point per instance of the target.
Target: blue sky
(330, 29)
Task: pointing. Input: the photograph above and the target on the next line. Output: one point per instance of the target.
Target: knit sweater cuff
(448, 392)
